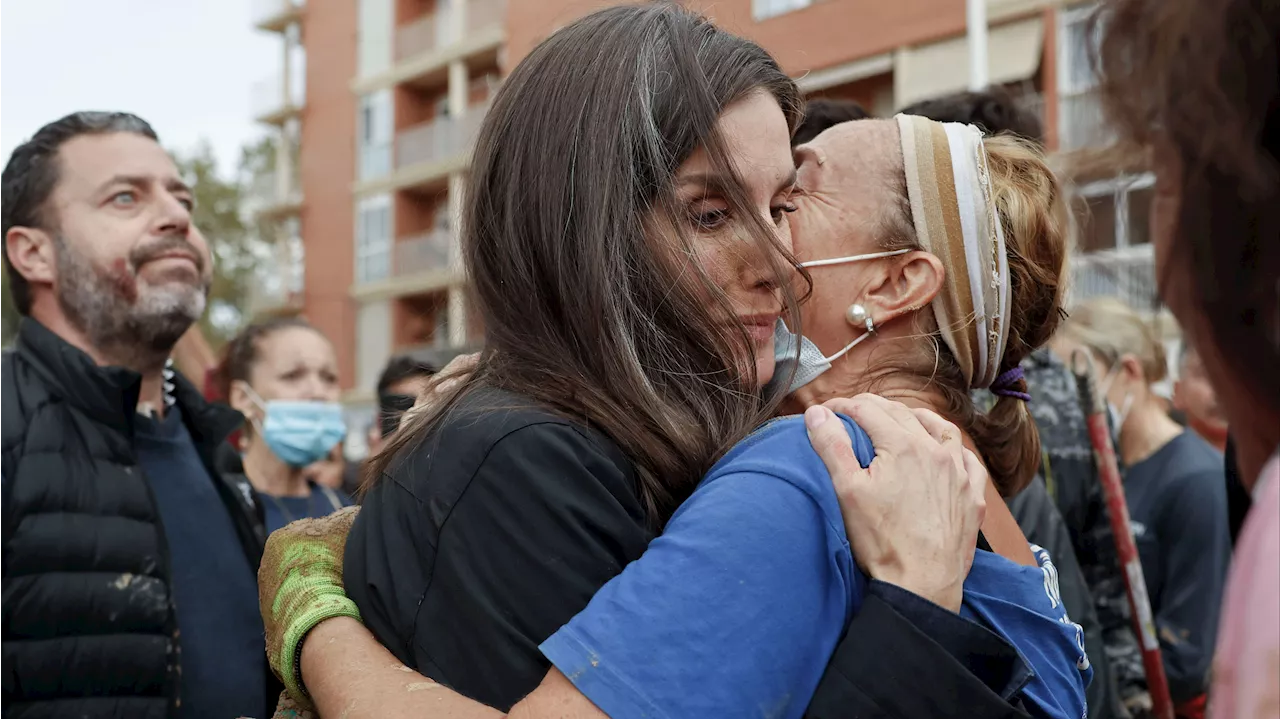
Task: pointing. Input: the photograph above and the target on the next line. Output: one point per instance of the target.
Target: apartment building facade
(381, 99)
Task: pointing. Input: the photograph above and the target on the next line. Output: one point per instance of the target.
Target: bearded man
(129, 562)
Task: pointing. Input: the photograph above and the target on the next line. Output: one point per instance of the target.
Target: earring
(858, 315)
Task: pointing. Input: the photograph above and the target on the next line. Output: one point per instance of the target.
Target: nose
(173, 218)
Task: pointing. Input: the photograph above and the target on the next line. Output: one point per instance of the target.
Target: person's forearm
(349, 674)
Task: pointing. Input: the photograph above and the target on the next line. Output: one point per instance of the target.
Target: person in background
(1064, 509)
(129, 558)
(1194, 85)
(993, 111)
(402, 380)
(821, 113)
(1175, 489)
(282, 374)
(1195, 398)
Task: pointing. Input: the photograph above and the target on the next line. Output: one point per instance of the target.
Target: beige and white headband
(954, 212)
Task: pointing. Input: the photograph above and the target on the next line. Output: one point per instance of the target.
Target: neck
(148, 364)
(271, 476)
(1145, 431)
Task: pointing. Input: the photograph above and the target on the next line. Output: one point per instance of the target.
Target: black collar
(110, 394)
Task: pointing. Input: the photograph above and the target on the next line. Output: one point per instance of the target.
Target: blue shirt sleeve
(736, 609)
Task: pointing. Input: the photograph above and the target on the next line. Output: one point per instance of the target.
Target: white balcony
(1128, 274)
(272, 102)
(484, 14)
(276, 195)
(429, 252)
(424, 35)
(276, 15)
(424, 155)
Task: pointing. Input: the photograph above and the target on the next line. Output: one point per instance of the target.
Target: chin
(764, 370)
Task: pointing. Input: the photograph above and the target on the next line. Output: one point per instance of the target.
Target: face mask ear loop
(854, 258)
(257, 400)
(871, 329)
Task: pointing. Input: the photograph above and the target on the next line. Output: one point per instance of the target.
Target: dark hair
(583, 310)
(1198, 82)
(32, 173)
(992, 110)
(821, 113)
(243, 351)
(401, 368)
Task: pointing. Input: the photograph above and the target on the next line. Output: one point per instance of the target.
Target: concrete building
(374, 136)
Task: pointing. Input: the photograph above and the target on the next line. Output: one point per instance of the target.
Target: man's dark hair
(401, 368)
(821, 113)
(32, 173)
(993, 111)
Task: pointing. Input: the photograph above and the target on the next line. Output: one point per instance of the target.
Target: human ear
(908, 284)
(238, 398)
(31, 252)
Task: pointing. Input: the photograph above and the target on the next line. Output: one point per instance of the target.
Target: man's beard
(132, 322)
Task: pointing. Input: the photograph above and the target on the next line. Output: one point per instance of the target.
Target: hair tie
(1006, 384)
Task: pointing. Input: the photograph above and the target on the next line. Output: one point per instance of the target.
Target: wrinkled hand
(299, 586)
(443, 383)
(912, 516)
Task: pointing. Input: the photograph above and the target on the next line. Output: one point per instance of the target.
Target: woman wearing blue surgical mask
(283, 376)
(1173, 482)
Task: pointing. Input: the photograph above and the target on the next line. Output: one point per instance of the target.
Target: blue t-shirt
(736, 609)
(321, 502)
(215, 588)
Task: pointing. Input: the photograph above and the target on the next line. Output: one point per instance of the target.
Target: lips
(760, 326)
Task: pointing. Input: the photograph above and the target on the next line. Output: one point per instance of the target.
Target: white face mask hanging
(808, 360)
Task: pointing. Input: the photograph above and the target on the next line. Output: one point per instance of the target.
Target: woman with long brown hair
(496, 518)
(1195, 83)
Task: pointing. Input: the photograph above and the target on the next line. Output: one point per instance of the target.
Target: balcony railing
(429, 252)
(1128, 274)
(269, 97)
(1081, 123)
(272, 192)
(435, 31)
(269, 11)
(438, 139)
(485, 13)
(427, 33)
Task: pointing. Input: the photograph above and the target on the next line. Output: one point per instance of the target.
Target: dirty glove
(299, 586)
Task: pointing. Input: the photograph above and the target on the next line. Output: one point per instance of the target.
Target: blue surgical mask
(299, 432)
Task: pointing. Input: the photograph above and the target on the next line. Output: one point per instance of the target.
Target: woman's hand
(299, 586)
(912, 516)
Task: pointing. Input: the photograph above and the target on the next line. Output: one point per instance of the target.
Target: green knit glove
(299, 586)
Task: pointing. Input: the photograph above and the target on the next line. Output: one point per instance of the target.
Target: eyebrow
(172, 184)
(719, 184)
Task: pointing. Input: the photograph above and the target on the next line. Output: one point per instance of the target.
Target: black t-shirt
(1178, 509)
(487, 537)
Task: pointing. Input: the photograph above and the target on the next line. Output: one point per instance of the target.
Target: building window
(763, 9)
(373, 239)
(376, 134)
(1114, 239)
(1080, 121)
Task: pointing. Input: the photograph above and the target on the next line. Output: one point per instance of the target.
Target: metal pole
(1104, 455)
(976, 22)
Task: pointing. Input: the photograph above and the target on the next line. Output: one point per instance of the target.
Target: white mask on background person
(1117, 415)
